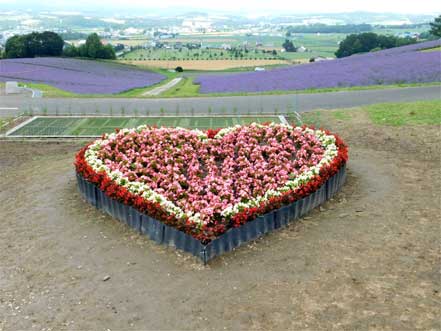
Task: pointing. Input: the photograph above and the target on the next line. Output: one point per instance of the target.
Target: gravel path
(158, 90)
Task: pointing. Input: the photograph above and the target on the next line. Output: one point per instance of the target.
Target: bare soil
(205, 64)
(367, 260)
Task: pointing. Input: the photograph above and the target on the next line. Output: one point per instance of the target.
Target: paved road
(13, 105)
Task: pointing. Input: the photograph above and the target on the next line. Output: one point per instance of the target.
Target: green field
(390, 114)
(96, 126)
(434, 49)
(413, 113)
(195, 54)
(324, 44)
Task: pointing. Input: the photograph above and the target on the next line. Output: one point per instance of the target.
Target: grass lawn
(391, 114)
(4, 121)
(416, 113)
(185, 88)
(435, 49)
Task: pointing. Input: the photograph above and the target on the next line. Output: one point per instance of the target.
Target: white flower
(91, 157)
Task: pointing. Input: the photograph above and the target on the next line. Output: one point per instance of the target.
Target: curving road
(15, 105)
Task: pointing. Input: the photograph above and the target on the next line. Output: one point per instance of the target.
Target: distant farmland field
(258, 47)
(196, 54)
(399, 65)
(78, 76)
(206, 64)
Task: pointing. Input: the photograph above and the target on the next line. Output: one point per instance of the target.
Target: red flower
(216, 227)
(211, 133)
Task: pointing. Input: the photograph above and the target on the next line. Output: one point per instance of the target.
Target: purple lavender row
(78, 76)
(392, 66)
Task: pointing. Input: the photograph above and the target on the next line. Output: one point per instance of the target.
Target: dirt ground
(367, 260)
(205, 64)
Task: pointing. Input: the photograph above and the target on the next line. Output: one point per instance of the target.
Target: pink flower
(207, 176)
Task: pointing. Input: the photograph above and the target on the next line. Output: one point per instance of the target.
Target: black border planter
(234, 237)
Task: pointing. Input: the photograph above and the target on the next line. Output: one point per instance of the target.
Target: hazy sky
(250, 6)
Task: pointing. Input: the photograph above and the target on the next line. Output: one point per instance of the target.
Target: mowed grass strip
(382, 114)
(414, 113)
(96, 126)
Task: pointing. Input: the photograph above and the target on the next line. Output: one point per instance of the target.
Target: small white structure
(259, 69)
(321, 58)
(12, 88)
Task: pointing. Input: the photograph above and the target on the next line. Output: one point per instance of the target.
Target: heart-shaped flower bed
(203, 183)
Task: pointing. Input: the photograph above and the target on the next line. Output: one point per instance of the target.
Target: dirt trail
(162, 88)
(368, 260)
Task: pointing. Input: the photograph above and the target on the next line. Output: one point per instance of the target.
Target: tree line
(49, 43)
(368, 42)
(93, 48)
(34, 44)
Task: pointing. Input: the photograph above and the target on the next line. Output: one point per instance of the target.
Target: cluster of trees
(359, 28)
(93, 48)
(51, 44)
(289, 46)
(435, 27)
(369, 41)
(324, 28)
(34, 44)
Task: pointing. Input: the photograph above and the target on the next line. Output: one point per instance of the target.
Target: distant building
(408, 34)
(132, 31)
(12, 88)
(197, 24)
(320, 58)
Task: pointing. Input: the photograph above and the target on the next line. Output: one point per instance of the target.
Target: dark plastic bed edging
(234, 237)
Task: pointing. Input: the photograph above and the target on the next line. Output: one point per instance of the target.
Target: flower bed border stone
(232, 238)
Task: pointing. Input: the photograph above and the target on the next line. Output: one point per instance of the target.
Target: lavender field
(392, 66)
(77, 76)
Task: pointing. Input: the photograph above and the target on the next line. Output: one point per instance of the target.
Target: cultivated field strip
(89, 126)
